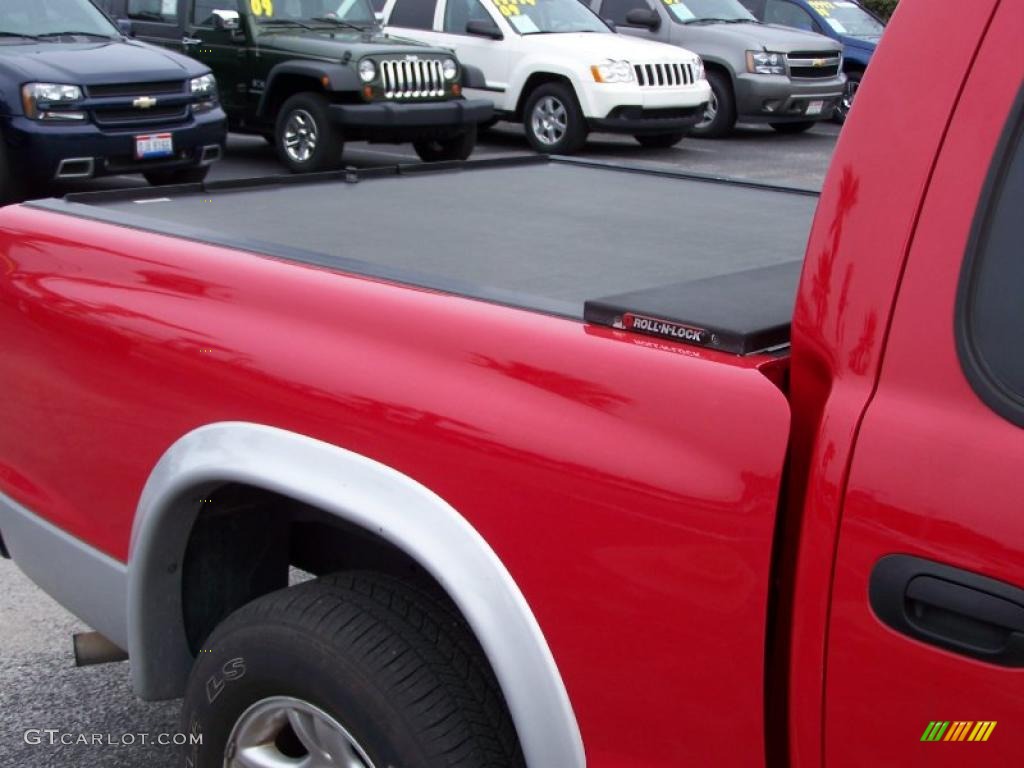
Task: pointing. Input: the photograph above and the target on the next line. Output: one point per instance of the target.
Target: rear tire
(193, 175)
(660, 140)
(458, 147)
(793, 127)
(720, 114)
(366, 663)
(306, 139)
(553, 120)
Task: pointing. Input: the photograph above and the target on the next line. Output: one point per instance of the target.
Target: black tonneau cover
(552, 235)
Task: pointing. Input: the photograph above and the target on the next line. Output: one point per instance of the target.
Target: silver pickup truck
(758, 72)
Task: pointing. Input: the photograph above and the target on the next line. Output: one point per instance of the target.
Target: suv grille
(663, 74)
(814, 64)
(130, 117)
(136, 89)
(406, 79)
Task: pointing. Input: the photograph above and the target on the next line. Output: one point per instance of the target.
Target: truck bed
(548, 234)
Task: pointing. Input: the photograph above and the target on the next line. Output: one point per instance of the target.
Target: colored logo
(959, 730)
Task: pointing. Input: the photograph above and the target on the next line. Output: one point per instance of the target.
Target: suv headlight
(612, 72)
(204, 85)
(449, 69)
(367, 70)
(50, 101)
(766, 63)
(698, 70)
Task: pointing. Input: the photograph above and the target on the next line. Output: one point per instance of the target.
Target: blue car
(850, 23)
(78, 99)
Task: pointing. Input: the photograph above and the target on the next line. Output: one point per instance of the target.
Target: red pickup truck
(576, 482)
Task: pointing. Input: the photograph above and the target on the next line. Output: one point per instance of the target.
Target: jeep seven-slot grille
(814, 64)
(663, 74)
(412, 79)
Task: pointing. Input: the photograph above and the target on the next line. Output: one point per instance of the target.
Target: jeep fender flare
(339, 78)
(369, 495)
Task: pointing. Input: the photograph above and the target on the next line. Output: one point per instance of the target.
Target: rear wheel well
(247, 542)
(536, 80)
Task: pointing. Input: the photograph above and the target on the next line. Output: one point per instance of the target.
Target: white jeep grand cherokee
(555, 66)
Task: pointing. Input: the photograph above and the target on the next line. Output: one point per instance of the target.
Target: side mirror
(226, 20)
(484, 29)
(125, 27)
(643, 17)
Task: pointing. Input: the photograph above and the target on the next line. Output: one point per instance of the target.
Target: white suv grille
(666, 74)
(412, 79)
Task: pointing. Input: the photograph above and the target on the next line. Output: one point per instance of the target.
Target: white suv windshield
(689, 11)
(57, 18)
(536, 17)
(848, 18)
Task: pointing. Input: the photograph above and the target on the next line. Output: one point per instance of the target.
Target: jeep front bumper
(389, 115)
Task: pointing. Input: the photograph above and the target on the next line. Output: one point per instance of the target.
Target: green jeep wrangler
(311, 74)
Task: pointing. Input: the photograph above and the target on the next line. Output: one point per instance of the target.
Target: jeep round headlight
(367, 70)
(449, 68)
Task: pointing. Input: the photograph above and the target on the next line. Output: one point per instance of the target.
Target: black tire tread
(414, 644)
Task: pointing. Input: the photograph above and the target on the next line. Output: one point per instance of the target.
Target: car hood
(96, 63)
(595, 47)
(767, 37)
(335, 45)
(867, 43)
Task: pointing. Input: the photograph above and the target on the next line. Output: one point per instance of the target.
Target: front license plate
(153, 145)
(814, 107)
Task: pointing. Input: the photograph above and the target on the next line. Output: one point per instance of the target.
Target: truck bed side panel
(628, 484)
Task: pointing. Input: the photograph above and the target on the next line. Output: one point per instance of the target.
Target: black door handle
(951, 608)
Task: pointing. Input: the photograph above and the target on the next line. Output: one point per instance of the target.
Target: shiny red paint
(629, 484)
(954, 493)
(856, 254)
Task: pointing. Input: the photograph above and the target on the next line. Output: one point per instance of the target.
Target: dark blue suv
(78, 99)
(850, 23)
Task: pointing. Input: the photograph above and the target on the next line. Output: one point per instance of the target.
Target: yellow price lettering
(262, 7)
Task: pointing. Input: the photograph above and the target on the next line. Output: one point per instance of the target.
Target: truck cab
(79, 100)
(310, 75)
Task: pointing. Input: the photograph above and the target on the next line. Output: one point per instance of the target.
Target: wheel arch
(362, 493)
(291, 77)
(537, 79)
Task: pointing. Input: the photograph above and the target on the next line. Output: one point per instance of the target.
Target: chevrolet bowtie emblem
(819, 62)
(144, 102)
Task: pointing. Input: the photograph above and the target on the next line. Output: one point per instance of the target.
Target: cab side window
(458, 13)
(165, 11)
(202, 11)
(788, 15)
(616, 10)
(990, 331)
(413, 14)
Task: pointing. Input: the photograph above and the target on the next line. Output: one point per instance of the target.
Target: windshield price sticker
(679, 9)
(823, 6)
(261, 7)
(510, 8)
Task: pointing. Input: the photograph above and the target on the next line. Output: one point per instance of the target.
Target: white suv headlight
(612, 72)
(698, 69)
(38, 100)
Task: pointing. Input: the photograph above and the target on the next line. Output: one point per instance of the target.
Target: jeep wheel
(355, 670)
(554, 121)
(660, 140)
(306, 139)
(793, 127)
(193, 175)
(720, 112)
(458, 147)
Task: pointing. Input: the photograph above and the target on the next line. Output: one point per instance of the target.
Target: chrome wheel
(300, 136)
(710, 111)
(549, 121)
(284, 732)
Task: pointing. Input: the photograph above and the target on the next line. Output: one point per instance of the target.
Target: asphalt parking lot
(39, 686)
